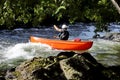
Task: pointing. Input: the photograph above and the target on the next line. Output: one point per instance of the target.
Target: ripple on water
(106, 52)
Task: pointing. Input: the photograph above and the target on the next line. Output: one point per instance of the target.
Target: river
(16, 48)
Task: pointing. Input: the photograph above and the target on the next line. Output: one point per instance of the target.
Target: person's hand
(55, 36)
(54, 26)
(57, 28)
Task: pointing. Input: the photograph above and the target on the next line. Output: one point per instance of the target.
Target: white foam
(29, 50)
(103, 46)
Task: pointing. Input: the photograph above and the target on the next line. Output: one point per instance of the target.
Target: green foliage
(35, 12)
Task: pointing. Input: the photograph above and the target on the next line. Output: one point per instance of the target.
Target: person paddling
(64, 34)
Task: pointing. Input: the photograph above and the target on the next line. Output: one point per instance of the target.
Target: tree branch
(116, 5)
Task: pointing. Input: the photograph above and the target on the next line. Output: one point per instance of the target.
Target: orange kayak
(62, 44)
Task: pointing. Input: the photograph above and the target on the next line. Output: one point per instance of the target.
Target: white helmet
(64, 26)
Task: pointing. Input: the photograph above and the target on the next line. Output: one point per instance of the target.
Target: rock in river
(64, 66)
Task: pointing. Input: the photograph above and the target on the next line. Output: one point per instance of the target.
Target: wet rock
(2, 74)
(112, 72)
(96, 36)
(64, 66)
(112, 36)
(9, 74)
(82, 67)
(2, 78)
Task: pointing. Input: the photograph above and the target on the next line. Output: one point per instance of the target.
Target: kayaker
(64, 34)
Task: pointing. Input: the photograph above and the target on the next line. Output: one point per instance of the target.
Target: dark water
(15, 46)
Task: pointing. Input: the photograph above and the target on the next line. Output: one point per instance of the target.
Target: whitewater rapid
(16, 48)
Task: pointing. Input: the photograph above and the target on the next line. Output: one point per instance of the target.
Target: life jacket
(64, 35)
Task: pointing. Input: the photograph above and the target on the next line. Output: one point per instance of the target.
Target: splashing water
(20, 52)
(30, 50)
(105, 52)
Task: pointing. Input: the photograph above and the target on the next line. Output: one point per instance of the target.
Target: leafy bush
(15, 13)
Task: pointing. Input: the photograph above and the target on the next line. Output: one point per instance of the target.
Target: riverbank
(64, 66)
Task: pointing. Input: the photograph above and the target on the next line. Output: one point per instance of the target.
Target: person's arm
(58, 29)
